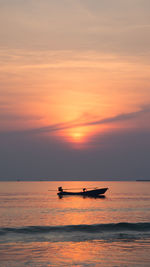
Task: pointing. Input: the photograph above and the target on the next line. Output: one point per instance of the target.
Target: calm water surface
(39, 229)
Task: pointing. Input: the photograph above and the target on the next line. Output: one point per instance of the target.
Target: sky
(74, 89)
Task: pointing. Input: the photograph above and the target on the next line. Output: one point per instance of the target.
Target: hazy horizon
(75, 180)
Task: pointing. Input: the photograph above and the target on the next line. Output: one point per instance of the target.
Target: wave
(95, 228)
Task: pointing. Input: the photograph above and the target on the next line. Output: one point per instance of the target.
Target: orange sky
(70, 87)
(74, 87)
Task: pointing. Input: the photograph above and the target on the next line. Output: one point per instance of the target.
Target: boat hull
(93, 193)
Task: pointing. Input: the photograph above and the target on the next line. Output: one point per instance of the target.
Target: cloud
(73, 124)
(10, 116)
(97, 25)
(121, 117)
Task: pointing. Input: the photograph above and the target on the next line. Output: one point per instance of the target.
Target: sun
(78, 136)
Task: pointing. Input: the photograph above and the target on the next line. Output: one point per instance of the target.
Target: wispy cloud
(73, 124)
(121, 117)
(7, 114)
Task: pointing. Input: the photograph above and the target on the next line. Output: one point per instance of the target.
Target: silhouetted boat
(89, 193)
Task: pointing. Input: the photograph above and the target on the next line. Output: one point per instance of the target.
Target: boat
(87, 193)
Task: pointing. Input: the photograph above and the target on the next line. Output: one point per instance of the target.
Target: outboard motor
(60, 189)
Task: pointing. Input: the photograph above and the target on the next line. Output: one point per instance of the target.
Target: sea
(37, 228)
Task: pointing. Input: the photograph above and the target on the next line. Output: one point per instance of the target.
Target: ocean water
(37, 228)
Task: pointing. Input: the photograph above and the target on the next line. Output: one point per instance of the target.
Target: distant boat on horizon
(143, 180)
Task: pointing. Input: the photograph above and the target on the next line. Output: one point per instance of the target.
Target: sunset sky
(74, 89)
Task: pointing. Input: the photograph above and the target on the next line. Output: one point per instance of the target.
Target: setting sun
(77, 135)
